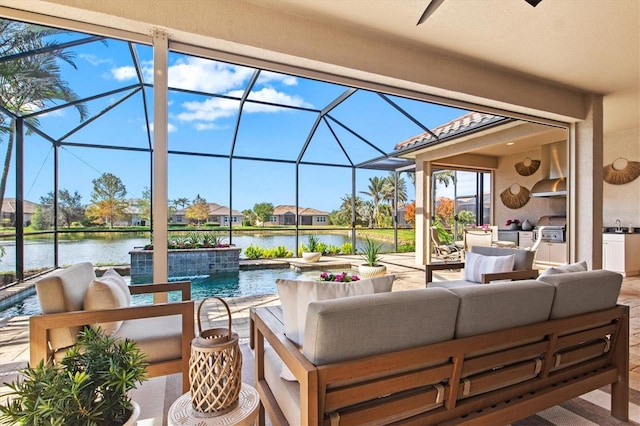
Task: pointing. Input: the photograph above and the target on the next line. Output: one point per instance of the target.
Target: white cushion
(105, 293)
(117, 279)
(562, 269)
(296, 295)
(476, 264)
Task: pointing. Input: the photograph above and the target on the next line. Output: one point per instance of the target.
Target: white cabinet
(525, 239)
(620, 253)
(550, 254)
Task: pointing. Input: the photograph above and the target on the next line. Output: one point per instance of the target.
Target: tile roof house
(286, 215)
(8, 213)
(217, 214)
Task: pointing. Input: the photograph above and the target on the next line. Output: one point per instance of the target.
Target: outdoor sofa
(162, 331)
(482, 354)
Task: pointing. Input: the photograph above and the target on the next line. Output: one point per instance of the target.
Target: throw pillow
(562, 269)
(115, 276)
(105, 293)
(476, 264)
(296, 295)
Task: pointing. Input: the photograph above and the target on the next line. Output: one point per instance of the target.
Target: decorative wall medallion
(515, 196)
(527, 167)
(621, 171)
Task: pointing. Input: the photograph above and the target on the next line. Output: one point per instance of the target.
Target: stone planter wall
(187, 262)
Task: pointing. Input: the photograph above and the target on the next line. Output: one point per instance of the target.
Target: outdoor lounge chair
(162, 331)
(446, 252)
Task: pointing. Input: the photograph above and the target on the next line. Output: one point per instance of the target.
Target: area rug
(156, 396)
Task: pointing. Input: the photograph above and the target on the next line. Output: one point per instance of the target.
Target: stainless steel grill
(551, 229)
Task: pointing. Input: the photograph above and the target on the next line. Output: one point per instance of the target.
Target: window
(321, 219)
(273, 219)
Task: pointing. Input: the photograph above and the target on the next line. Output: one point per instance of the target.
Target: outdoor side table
(182, 413)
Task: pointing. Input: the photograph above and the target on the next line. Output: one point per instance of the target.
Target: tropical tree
(198, 210)
(263, 211)
(390, 188)
(108, 199)
(367, 212)
(445, 177)
(249, 217)
(376, 192)
(342, 216)
(31, 81)
(180, 202)
(444, 210)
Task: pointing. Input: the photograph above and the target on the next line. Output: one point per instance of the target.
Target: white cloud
(94, 60)
(268, 76)
(269, 94)
(123, 73)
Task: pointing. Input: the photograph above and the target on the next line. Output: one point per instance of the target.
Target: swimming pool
(232, 284)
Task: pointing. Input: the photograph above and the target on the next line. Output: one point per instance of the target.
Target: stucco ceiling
(587, 46)
(592, 46)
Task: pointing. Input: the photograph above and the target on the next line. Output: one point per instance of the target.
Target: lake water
(114, 248)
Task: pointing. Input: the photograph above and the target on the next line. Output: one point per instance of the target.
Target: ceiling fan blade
(533, 3)
(431, 7)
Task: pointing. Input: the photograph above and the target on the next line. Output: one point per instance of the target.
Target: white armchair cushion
(106, 293)
(476, 264)
(117, 279)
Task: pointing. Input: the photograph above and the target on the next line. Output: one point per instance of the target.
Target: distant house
(286, 215)
(135, 214)
(217, 214)
(8, 214)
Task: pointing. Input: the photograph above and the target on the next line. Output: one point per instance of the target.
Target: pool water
(232, 284)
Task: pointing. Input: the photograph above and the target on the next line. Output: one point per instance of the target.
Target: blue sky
(205, 124)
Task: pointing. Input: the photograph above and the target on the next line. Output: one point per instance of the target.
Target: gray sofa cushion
(486, 308)
(355, 327)
(523, 258)
(580, 292)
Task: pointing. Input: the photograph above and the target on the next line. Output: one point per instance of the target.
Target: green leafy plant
(253, 252)
(313, 243)
(89, 387)
(370, 252)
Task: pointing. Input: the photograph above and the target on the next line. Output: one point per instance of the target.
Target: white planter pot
(311, 256)
(366, 271)
(135, 413)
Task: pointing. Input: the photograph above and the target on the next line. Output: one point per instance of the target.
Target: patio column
(160, 160)
(585, 191)
(423, 212)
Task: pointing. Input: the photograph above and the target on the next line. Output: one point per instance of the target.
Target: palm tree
(344, 213)
(31, 81)
(376, 192)
(390, 188)
(445, 177)
(366, 210)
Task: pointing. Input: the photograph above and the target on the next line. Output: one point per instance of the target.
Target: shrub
(253, 252)
(346, 248)
(332, 250)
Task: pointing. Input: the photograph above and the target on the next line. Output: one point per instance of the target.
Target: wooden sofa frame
(39, 326)
(565, 357)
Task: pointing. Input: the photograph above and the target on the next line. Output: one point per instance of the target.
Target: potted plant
(370, 253)
(312, 251)
(513, 224)
(89, 386)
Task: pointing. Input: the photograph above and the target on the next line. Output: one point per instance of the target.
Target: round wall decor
(621, 171)
(527, 167)
(515, 196)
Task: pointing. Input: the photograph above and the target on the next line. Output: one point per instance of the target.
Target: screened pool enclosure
(232, 135)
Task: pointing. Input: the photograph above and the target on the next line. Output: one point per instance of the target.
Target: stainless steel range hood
(553, 161)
